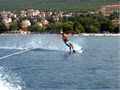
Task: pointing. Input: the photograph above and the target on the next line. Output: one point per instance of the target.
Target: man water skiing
(67, 42)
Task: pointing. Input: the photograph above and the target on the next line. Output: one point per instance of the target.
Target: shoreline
(83, 34)
(100, 34)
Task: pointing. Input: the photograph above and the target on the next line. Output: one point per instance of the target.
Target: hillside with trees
(83, 23)
(54, 5)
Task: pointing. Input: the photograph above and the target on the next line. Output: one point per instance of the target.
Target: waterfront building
(109, 9)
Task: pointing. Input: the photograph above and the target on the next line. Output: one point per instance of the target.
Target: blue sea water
(35, 62)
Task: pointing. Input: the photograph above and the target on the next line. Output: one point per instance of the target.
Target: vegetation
(76, 24)
(83, 24)
(54, 5)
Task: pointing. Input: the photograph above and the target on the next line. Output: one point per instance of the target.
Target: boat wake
(9, 80)
(27, 43)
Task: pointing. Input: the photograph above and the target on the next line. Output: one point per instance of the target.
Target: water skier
(67, 42)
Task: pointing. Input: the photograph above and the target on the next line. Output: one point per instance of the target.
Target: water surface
(44, 63)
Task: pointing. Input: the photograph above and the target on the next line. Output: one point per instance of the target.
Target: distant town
(105, 20)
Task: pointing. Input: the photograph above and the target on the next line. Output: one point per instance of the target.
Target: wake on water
(29, 43)
(10, 81)
(41, 43)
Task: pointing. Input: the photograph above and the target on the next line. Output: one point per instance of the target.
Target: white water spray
(27, 43)
(9, 81)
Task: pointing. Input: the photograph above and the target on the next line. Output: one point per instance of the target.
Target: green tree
(34, 28)
(86, 21)
(93, 29)
(57, 26)
(1, 18)
(49, 26)
(107, 26)
(3, 28)
(78, 27)
(13, 26)
(116, 30)
(68, 27)
(114, 15)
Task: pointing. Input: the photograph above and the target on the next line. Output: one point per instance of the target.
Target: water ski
(74, 51)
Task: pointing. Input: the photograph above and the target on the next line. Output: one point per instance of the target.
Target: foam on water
(9, 81)
(44, 42)
(77, 48)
